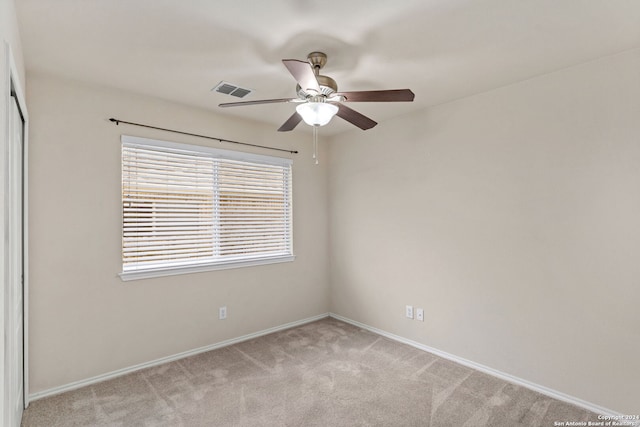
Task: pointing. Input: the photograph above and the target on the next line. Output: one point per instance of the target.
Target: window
(189, 208)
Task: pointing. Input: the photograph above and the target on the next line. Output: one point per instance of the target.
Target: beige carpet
(325, 373)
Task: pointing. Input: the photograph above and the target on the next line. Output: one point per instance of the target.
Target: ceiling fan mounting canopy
(316, 89)
(317, 60)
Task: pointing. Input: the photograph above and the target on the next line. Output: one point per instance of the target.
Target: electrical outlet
(409, 311)
(420, 314)
(222, 313)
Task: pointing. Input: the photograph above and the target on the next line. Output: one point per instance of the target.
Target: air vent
(231, 89)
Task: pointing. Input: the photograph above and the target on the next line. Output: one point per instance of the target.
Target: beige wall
(84, 320)
(10, 34)
(513, 218)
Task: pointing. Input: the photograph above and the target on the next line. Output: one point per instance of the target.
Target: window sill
(161, 272)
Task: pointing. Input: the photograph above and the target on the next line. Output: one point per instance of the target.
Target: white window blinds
(191, 207)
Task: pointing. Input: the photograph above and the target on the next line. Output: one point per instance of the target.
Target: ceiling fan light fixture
(317, 113)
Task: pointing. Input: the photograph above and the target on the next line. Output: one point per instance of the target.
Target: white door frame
(13, 88)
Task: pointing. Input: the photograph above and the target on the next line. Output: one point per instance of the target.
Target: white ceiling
(441, 49)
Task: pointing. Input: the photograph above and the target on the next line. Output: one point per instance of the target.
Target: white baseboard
(109, 375)
(487, 370)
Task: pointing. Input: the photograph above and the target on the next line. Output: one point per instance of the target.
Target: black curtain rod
(118, 121)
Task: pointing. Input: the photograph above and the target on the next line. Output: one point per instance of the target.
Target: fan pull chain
(315, 143)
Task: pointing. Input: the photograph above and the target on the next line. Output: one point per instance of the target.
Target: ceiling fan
(319, 100)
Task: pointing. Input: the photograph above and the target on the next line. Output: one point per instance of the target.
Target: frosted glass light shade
(317, 113)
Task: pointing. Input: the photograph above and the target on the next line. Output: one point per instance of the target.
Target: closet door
(14, 292)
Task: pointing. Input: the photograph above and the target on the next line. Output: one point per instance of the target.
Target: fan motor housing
(328, 86)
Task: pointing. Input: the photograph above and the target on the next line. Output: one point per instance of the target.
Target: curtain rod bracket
(220, 140)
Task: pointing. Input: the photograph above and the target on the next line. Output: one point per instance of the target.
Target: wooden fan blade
(291, 123)
(303, 73)
(256, 102)
(394, 95)
(353, 117)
